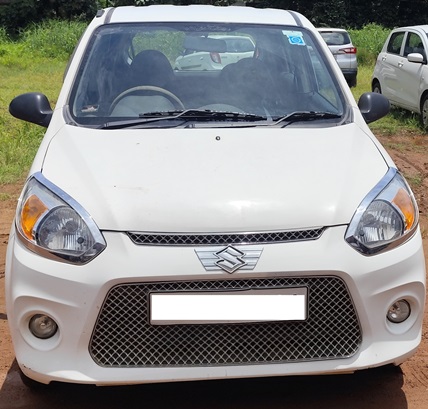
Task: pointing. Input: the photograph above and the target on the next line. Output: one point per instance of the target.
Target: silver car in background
(340, 44)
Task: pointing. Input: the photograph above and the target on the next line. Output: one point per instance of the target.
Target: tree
(19, 13)
(337, 13)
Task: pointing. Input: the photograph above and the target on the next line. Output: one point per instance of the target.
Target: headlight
(51, 223)
(387, 217)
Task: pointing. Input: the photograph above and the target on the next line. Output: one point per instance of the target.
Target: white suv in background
(401, 71)
(340, 44)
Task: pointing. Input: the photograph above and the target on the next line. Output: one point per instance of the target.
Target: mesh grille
(223, 238)
(123, 337)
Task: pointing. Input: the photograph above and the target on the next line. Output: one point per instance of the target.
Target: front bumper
(77, 298)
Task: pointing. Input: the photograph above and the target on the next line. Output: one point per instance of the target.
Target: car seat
(151, 69)
(248, 85)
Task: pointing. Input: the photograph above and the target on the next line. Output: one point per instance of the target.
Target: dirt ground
(383, 388)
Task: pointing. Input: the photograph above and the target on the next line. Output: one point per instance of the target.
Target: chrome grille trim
(223, 239)
(123, 336)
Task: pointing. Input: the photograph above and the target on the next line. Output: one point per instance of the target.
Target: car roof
(339, 30)
(423, 27)
(203, 13)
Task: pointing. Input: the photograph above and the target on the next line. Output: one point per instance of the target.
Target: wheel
(424, 112)
(148, 89)
(376, 88)
(352, 81)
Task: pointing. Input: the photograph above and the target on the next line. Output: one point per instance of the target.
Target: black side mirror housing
(373, 106)
(32, 107)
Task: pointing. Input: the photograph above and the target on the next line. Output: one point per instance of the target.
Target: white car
(190, 225)
(401, 72)
(213, 52)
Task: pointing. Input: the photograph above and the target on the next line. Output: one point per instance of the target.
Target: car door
(390, 60)
(410, 74)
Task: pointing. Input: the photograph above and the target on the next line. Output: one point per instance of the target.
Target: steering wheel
(149, 88)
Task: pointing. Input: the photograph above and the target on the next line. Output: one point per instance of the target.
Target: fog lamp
(43, 326)
(399, 311)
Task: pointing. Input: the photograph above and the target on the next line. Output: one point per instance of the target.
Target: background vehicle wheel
(352, 81)
(424, 112)
(376, 88)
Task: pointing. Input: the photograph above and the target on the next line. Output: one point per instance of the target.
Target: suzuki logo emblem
(229, 258)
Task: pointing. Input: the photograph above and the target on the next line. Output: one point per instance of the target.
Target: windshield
(335, 37)
(133, 71)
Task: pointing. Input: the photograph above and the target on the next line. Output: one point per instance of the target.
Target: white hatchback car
(184, 225)
(401, 71)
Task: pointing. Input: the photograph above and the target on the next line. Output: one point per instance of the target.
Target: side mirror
(32, 107)
(373, 106)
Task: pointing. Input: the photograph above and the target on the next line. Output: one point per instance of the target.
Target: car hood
(215, 180)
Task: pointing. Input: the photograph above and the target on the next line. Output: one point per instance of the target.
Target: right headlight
(52, 224)
(386, 217)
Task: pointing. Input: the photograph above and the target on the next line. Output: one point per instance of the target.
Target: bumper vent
(123, 337)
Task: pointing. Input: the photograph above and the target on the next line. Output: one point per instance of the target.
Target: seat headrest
(151, 67)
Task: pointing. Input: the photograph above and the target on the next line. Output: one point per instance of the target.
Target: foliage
(337, 13)
(53, 38)
(3, 35)
(356, 14)
(21, 13)
(369, 41)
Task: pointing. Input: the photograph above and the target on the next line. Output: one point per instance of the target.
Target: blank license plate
(228, 307)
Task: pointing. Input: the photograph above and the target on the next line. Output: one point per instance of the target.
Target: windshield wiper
(186, 115)
(301, 116)
(204, 115)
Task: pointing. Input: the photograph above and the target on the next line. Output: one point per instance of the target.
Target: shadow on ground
(370, 389)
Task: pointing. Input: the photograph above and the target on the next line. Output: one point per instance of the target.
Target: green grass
(18, 139)
(35, 62)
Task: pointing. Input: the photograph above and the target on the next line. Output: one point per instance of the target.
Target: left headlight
(54, 225)
(387, 217)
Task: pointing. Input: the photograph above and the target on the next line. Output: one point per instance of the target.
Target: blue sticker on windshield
(294, 37)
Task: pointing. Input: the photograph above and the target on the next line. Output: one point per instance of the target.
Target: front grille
(123, 336)
(223, 239)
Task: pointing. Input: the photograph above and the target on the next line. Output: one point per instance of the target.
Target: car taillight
(215, 57)
(349, 50)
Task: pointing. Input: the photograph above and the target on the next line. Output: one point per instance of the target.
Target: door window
(414, 44)
(394, 45)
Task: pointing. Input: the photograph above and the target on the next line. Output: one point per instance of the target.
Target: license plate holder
(285, 304)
